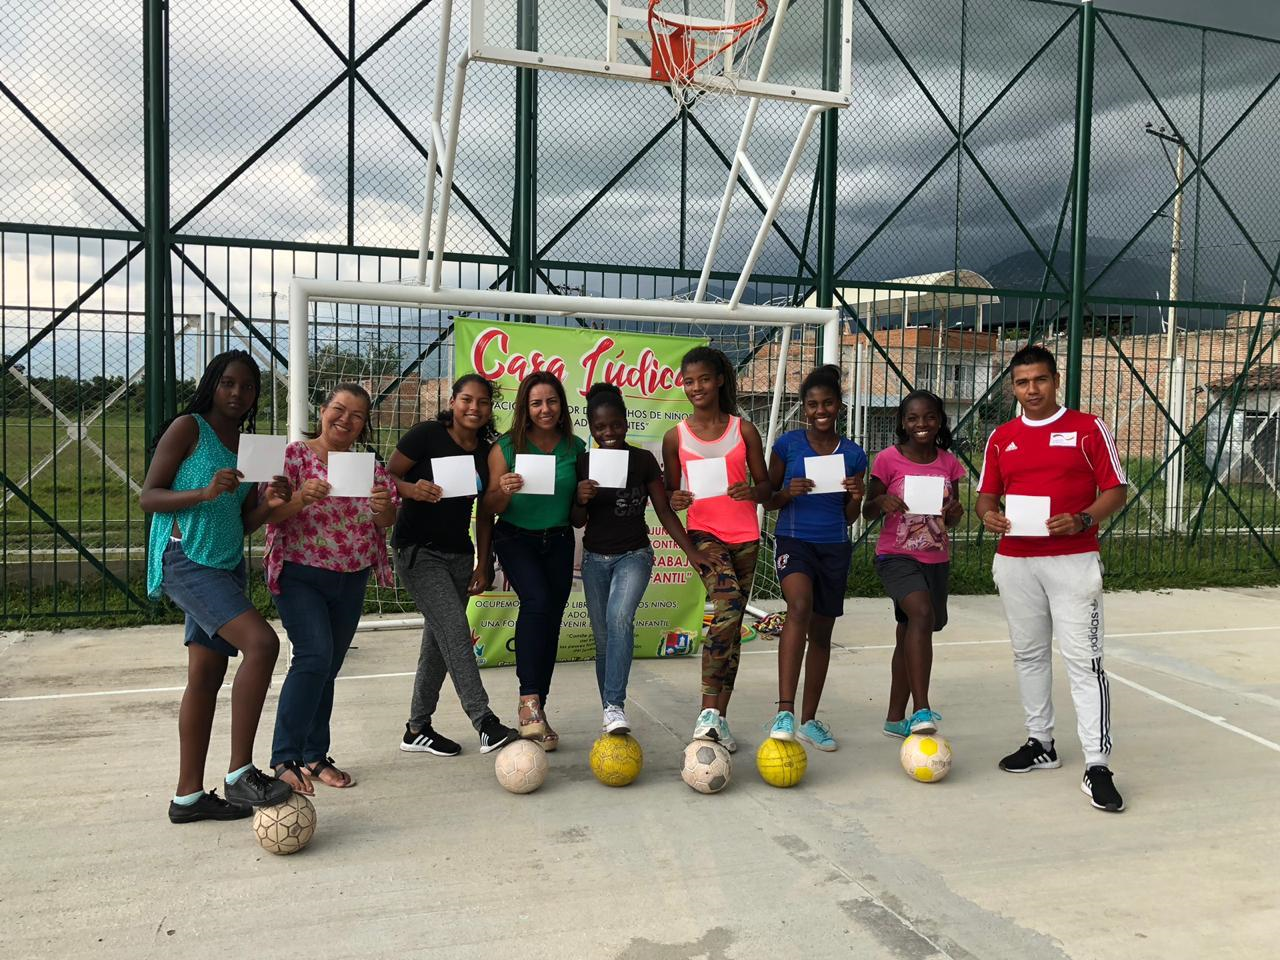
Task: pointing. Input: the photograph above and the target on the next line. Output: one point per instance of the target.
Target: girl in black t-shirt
(439, 566)
(617, 558)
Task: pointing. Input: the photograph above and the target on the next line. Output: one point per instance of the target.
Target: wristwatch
(1086, 520)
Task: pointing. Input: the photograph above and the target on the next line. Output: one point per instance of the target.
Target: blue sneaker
(726, 737)
(818, 734)
(784, 726)
(925, 721)
(708, 725)
(898, 728)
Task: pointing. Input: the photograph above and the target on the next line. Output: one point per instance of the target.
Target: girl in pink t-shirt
(913, 553)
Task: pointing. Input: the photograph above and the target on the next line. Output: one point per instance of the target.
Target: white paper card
(827, 473)
(538, 471)
(455, 476)
(708, 478)
(350, 474)
(1027, 514)
(923, 495)
(260, 459)
(608, 467)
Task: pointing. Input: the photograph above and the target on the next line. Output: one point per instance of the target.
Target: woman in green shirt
(533, 538)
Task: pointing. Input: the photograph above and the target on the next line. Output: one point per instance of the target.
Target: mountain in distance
(1144, 272)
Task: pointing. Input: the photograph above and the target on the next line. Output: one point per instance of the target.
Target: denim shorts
(211, 598)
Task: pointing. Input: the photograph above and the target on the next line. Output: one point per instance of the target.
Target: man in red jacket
(1059, 474)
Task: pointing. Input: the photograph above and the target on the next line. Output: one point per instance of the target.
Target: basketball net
(683, 48)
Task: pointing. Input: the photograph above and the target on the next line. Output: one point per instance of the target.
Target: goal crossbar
(304, 291)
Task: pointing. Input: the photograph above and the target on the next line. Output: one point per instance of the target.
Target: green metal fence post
(524, 210)
(828, 147)
(1080, 205)
(156, 227)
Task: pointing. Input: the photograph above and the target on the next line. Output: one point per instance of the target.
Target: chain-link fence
(294, 141)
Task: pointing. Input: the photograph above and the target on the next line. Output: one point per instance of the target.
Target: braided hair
(201, 401)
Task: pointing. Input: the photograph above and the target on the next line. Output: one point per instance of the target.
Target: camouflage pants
(728, 584)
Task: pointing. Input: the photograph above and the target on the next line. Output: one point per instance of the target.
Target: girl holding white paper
(200, 513)
(532, 537)
(319, 553)
(913, 554)
(617, 558)
(813, 551)
(438, 564)
(722, 523)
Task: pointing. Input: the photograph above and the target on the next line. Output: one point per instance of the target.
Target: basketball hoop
(683, 45)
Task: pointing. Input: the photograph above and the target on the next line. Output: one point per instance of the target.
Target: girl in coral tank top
(724, 527)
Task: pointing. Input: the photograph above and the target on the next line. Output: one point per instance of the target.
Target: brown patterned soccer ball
(287, 827)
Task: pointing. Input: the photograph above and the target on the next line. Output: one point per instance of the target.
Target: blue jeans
(539, 564)
(614, 584)
(320, 610)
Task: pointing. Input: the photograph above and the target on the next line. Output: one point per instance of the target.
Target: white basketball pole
(437, 138)
(740, 154)
(446, 178)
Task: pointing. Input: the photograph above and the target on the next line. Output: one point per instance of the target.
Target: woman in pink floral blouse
(319, 552)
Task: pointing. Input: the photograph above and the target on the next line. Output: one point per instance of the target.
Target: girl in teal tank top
(200, 514)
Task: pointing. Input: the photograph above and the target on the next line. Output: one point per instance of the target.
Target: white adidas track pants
(1045, 597)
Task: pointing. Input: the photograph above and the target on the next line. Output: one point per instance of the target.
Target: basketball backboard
(611, 39)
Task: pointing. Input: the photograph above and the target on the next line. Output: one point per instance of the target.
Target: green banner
(646, 368)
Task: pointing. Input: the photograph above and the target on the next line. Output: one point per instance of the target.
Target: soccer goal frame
(303, 292)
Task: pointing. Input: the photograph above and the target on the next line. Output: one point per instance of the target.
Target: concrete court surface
(428, 857)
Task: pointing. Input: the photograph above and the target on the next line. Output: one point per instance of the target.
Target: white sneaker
(726, 737)
(708, 725)
(615, 720)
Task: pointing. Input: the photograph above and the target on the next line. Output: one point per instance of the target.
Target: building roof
(877, 300)
(1249, 317)
(1261, 376)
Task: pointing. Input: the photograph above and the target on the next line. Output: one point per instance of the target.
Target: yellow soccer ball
(616, 759)
(926, 757)
(287, 827)
(781, 763)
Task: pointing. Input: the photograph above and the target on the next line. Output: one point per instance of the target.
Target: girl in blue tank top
(200, 514)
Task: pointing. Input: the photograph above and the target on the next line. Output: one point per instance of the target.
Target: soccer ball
(616, 760)
(707, 766)
(927, 758)
(521, 766)
(781, 763)
(287, 827)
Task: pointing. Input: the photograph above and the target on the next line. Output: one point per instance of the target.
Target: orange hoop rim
(762, 7)
(686, 75)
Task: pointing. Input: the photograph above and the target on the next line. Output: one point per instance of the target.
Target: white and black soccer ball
(707, 768)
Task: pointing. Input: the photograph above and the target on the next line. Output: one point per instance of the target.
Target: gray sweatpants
(1048, 597)
(438, 584)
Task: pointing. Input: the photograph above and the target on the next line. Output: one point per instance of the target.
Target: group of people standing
(321, 551)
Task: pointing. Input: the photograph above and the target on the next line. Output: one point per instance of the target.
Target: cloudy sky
(1250, 16)
(241, 70)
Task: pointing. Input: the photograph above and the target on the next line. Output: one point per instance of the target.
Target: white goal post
(304, 291)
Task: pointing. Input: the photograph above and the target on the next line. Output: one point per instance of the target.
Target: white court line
(387, 676)
(1216, 721)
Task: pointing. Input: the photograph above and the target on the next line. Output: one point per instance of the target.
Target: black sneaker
(258, 789)
(494, 734)
(1032, 755)
(1101, 791)
(210, 806)
(427, 740)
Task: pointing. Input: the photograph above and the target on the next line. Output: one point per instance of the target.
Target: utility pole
(1080, 204)
(1176, 397)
